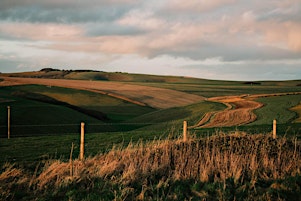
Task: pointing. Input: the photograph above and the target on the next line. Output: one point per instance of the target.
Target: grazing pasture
(133, 137)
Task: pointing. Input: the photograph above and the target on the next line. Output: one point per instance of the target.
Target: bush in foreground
(223, 167)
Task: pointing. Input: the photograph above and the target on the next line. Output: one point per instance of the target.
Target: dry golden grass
(241, 158)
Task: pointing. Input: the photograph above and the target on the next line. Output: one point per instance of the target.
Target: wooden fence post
(8, 122)
(274, 129)
(82, 141)
(185, 131)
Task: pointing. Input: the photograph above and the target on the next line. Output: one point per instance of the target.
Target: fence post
(185, 131)
(8, 122)
(82, 141)
(274, 129)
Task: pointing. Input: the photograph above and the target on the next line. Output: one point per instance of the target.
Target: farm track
(239, 110)
(239, 114)
(141, 95)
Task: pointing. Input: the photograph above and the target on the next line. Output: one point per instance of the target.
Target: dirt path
(239, 111)
(140, 95)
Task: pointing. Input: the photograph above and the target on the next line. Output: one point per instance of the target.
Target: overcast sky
(214, 39)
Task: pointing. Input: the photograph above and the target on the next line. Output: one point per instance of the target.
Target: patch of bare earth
(141, 95)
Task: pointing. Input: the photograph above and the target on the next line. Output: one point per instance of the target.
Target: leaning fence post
(185, 131)
(82, 141)
(274, 129)
(8, 122)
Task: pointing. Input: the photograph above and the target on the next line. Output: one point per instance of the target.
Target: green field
(39, 110)
(277, 107)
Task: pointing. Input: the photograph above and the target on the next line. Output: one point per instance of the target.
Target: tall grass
(222, 167)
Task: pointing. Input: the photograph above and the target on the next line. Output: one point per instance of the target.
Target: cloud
(171, 30)
(65, 11)
(196, 5)
(44, 32)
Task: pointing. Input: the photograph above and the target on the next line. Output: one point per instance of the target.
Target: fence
(23, 121)
(59, 142)
(41, 129)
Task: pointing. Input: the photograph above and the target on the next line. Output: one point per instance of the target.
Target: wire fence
(27, 130)
(39, 120)
(25, 121)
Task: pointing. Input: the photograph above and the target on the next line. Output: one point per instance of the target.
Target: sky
(212, 39)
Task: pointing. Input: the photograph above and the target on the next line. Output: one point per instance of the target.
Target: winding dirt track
(239, 111)
(137, 94)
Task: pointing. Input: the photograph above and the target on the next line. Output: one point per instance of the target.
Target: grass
(222, 167)
(219, 88)
(289, 130)
(175, 116)
(62, 110)
(297, 109)
(276, 108)
(28, 151)
(28, 119)
(127, 163)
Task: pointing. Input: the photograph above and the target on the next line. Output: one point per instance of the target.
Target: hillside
(158, 102)
(139, 78)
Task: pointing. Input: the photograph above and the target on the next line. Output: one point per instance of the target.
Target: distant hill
(142, 78)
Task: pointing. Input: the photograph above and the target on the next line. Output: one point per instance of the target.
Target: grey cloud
(100, 29)
(11, 4)
(249, 71)
(228, 53)
(62, 12)
(290, 14)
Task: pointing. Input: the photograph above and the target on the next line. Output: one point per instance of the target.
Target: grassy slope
(219, 88)
(276, 108)
(28, 118)
(46, 118)
(115, 109)
(28, 151)
(174, 117)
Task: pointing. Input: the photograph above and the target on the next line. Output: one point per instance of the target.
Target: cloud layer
(218, 39)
